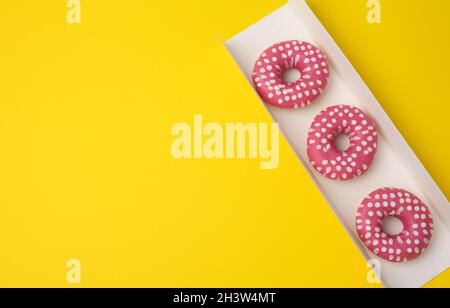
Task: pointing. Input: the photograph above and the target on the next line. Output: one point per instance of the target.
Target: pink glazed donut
(410, 210)
(327, 158)
(271, 66)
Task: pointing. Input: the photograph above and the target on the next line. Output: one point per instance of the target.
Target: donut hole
(291, 75)
(342, 142)
(392, 225)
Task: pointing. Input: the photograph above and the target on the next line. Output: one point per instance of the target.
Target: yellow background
(85, 165)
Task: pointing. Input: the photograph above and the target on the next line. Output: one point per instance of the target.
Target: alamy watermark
(73, 275)
(374, 13)
(74, 11)
(199, 140)
(374, 274)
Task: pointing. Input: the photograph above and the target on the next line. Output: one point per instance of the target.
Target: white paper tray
(396, 165)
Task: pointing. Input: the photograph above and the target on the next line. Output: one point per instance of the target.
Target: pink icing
(275, 61)
(411, 211)
(323, 153)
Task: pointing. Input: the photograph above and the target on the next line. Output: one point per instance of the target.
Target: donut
(410, 210)
(326, 158)
(271, 66)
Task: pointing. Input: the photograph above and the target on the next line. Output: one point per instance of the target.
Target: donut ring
(277, 60)
(323, 153)
(410, 210)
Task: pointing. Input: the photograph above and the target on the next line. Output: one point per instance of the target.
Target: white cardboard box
(396, 165)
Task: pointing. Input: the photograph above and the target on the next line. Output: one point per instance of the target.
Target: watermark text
(201, 140)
